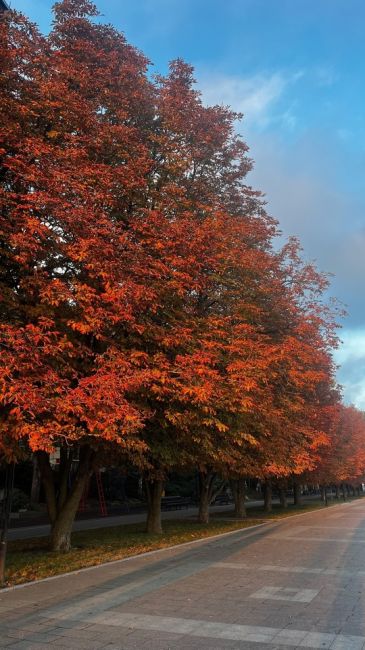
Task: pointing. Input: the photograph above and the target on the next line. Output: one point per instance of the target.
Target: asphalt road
(42, 530)
(297, 583)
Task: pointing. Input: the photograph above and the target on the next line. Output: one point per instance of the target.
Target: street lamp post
(5, 514)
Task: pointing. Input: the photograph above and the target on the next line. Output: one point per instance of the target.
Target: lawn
(30, 559)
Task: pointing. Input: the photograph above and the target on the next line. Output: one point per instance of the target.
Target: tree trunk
(62, 526)
(337, 487)
(36, 482)
(154, 490)
(48, 480)
(140, 487)
(297, 494)
(238, 492)
(206, 480)
(268, 496)
(324, 494)
(283, 497)
(62, 508)
(344, 491)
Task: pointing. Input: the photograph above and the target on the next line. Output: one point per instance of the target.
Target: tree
(74, 109)
(146, 316)
(342, 460)
(199, 332)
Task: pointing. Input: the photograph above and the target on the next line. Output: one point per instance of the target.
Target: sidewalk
(285, 585)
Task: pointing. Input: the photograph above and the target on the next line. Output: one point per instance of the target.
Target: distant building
(3, 5)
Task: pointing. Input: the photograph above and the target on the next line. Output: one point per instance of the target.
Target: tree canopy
(148, 313)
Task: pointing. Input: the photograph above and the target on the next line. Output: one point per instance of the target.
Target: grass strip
(29, 559)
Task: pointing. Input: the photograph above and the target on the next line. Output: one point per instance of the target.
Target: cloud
(304, 173)
(256, 97)
(304, 188)
(309, 176)
(351, 357)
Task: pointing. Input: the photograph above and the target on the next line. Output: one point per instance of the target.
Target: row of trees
(147, 318)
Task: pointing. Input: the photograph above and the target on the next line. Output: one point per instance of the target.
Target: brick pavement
(298, 583)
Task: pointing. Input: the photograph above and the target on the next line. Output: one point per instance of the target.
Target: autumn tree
(215, 245)
(145, 314)
(304, 393)
(74, 108)
(342, 460)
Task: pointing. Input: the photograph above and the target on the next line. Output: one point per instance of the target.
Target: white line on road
(342, 540)
(232, 632)
(286, 593)
(299, 530)
(279, 568)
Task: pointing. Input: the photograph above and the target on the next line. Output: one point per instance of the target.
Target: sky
(296, 71)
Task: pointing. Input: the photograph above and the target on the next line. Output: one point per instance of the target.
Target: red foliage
(143, 304)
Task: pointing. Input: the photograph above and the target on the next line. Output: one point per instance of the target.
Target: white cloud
(304, 190)
(289, 119)
(351, 357)
(353, 346)
(304, 179)
(254, 96)
(302, 182)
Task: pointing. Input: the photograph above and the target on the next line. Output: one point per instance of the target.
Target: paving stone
(347, 643)
(291, 594)
(309, 574)
(84, 633)
(88, 644)
(34, 645)
(289, 637)
(317, 640)
(6, 641)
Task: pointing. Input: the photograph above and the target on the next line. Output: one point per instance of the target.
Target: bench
(175, 503)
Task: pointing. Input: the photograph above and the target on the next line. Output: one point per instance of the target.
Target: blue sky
(296, 70)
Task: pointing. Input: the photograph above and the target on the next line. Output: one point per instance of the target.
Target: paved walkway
(42, 530)
(298, 583)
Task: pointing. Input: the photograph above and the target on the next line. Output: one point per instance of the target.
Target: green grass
(30, 559)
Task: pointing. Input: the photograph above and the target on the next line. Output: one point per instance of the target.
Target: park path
(42, 530)
(297, 583)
